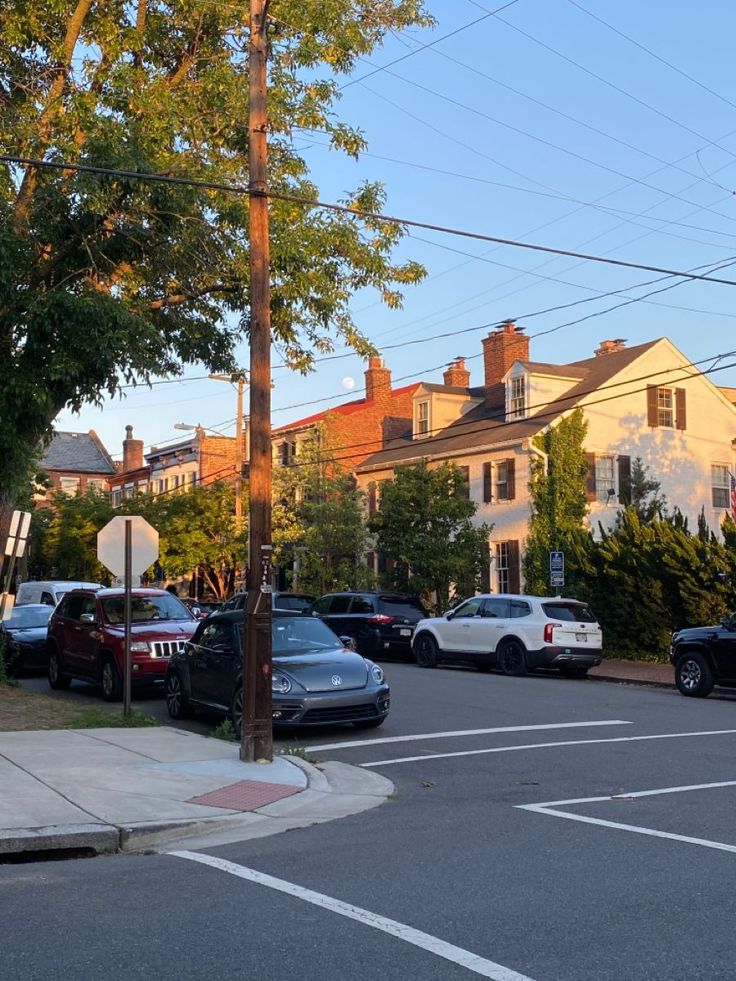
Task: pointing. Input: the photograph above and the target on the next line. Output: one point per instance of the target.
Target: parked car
(198, 608)
(87, 636)
(378, 623)
(24, 633)
(315, 680)
(280, 600)
(704, 657)
(49, 592)
(513, 633)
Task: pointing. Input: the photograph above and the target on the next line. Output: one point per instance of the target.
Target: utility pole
(239, 454)
(257, 736)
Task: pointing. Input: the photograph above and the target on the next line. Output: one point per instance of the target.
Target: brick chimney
(610, 347)
(457, 374)
(377, 380)
(132, 451)
(501, 349)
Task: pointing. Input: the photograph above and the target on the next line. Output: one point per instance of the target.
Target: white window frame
(666, 408)
(716, 486)
(501, 467)
(517, 397)
(69, 485)
(501, 556)
(116, 497)
(423, 418)
(605, 478)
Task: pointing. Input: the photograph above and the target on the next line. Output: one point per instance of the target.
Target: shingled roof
(77, 453)
(485, 425)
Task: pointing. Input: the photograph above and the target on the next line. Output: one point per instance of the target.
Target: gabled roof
(562, 370)
(485, 425)
(346, 409)
(77, 453)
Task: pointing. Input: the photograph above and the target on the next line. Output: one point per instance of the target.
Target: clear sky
(504, 129)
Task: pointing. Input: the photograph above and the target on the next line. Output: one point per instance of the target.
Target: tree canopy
(109, 280)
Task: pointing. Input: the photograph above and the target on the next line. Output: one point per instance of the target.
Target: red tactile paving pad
(245, 795)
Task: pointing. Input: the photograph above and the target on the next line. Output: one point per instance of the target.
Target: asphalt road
(453, 878)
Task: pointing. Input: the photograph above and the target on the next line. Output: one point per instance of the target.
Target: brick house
(646, 401)
(75, 463)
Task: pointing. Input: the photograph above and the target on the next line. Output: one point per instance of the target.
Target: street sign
(111, 545)
(557, 568)
(15, 546)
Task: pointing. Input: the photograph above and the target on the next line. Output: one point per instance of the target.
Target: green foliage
(558, 502)
(109, 280)
(645, 496)
(424, 525)
(97, 718)
(65, 537)
(225, 731)
(6, 664)
(318, 520)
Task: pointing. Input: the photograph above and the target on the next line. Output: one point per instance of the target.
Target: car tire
(512, 658)
(573, 671)
(177, 703)
(236, 711)
(369, 723)
(693, 675)
(426, 651)
(110, 680)
(57, 679)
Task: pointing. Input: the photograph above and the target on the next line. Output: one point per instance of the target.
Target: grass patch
(99, 718)
(21, 709)
(298, 751)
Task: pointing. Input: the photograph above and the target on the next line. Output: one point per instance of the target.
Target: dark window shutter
(487, 483)
(485, 579)
(372, 498)
(590, 491)
(510, 479)
(514, 570)
(624, 479)
(681, 414)
(652, 413)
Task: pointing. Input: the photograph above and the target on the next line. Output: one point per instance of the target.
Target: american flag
(733, 496)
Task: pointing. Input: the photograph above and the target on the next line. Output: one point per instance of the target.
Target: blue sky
(640, 166)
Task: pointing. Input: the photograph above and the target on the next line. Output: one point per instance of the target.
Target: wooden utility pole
(239, 453)
(257, 737)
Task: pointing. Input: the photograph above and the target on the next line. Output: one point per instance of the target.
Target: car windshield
(569, 611)
(23, 617)
(145, 608)
(401, 606)
(286, 601)
(301, 635)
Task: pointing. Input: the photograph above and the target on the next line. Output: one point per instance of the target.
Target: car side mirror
(348, 642)
(88, 618)
(449, 615)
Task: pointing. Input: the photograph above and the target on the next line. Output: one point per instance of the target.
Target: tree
(424, 528)
(318, 528)
(644, 495)
(558, 502)
(64, 537)
(110, 280)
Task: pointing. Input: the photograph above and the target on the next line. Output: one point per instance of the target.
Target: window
(496, 609)
(422, 418)
(506, 480)
(129, 491)
(117, 496)
(720, 482)
(97, 485)
(507, 567)
(604, 481)
(361, 605)
(339, 604)
(287, 452)
(69, 485)
(217, 637)
(470, 608)
(322, 605)
(666, 407)
(517, 398)
(517, 609)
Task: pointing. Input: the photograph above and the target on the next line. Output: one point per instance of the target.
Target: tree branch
(178, 298)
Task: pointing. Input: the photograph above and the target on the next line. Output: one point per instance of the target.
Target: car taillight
(379, 618)
(549, 631)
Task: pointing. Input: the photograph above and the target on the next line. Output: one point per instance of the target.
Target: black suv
(378, 623)
(291, 602)
(704, 657)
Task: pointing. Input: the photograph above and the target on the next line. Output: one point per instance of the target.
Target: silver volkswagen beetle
(316, 679)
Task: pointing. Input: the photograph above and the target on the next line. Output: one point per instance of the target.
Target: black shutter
(487, 483)
(510, 480)
(624, 479)
(514, 569)
(681, 414)
(590, 490)
(485, 579)
(652, 406)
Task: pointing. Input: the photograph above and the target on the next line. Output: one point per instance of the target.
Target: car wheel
(693, 676)
(57, 679)
(573, 671)
(236, 711)
(177, 703)
(369, 723)
(426, 652)
(112, 688)
(512, 658)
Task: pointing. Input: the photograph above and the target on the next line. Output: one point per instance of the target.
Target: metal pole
(128, 583)
(257, 735)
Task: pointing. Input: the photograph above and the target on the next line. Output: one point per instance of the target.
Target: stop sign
(111, 545)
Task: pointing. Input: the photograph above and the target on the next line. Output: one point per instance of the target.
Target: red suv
(86, 637)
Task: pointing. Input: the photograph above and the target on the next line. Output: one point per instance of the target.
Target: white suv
(514, 633)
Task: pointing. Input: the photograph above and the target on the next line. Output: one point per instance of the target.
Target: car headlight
(140, 647)
(377, 674)
(280, 683)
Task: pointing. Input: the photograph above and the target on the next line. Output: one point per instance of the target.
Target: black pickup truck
(704, 657)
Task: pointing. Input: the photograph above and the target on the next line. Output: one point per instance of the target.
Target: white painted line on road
(467, 732)
(457, 955)
(561, 742)
(550, 809)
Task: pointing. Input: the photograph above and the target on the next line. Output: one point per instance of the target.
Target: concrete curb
(649, 682)
(98, 838)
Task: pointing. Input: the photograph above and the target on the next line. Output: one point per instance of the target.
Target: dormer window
(517, 398)
(422, 418)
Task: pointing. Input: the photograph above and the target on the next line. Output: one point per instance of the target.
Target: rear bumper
(331, 708)
(555, 657)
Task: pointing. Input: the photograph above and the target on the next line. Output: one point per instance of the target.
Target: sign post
(127, 546)
(14, 549)
(557, 569)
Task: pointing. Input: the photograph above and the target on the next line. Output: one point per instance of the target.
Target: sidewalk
(104, 790)
(634, 672)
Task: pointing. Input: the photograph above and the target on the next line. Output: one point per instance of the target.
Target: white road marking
(457, 955)
(561, 742)
(467, 732)
(550, 809)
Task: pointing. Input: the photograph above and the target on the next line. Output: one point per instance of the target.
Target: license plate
(581, 638)
(405, 632)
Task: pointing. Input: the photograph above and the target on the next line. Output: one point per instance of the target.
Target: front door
(456, 634)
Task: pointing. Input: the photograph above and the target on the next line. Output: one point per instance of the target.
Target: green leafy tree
(107, 281)
(558, 503)
(64, 540)
(318, 527)
(644, 494)
(424, 527)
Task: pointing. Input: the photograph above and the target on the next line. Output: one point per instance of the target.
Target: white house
(646, 401)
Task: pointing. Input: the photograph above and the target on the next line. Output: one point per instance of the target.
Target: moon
(348, 383)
